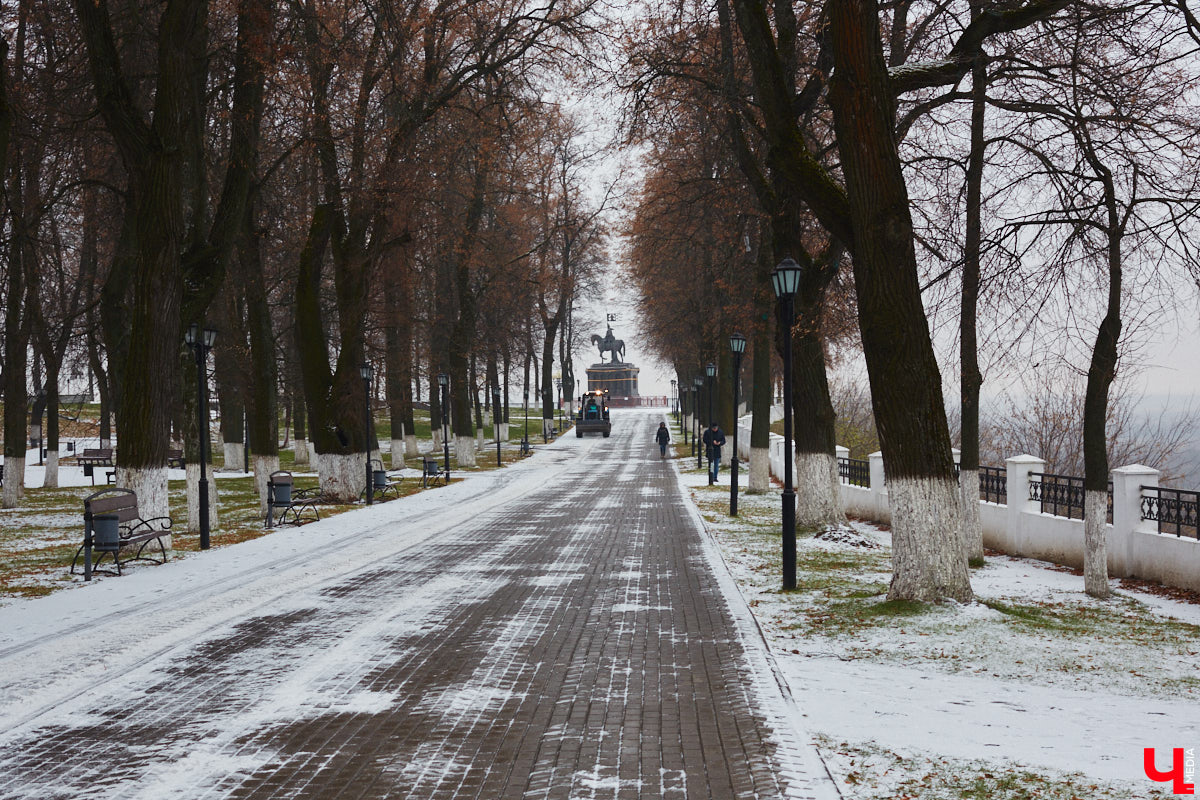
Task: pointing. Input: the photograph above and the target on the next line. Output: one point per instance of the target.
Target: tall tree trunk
(928, 562)
(1101, 371)
(16, 349)
(263, 390)
(971, 380)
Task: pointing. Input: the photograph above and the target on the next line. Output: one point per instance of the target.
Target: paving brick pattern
(572, 644)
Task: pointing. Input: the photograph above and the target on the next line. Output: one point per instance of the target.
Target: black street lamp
(737, 345)
(674, 403)
(496, 420)
(711, 371)
(365, 371)
(697, 382)
(785, 279)
(201, 343)
(525, 438)
(558, 405)
(444, 382)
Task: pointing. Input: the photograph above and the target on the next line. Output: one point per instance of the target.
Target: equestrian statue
(609, 344)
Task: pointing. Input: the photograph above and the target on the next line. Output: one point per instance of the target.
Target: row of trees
(1024, 170)
(326, 182)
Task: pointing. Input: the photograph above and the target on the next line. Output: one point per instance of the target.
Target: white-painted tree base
(14, 482)
(464, 451)
(193, 499)
(818, 498)
(312, 452)
(504, 431)
(150, 485)
(547, 427)
(343, 477)
(437, 438)
(263, 466)
(972, 528)
(51, 480)
(410, 446)
(396, 458)
(300, 453)
(928, 562)
(1095, 546)
(480, 442)
(235, 455)
(760, 471)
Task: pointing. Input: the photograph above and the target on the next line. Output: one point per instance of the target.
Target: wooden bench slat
(108, 505)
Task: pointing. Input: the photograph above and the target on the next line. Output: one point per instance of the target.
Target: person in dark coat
(714, 440)
(663, 437)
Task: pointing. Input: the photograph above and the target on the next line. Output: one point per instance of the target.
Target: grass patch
(871, 771)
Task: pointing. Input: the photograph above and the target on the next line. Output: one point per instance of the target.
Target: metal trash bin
(381, 479)
(106, 533)
(282, 494)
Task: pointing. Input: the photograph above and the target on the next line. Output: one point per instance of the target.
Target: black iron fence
(993, 484)
(855, 472)
(1061, 495)
(1173, 509)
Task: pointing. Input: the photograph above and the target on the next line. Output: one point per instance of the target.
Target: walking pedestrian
(663, 437)
(714, 440)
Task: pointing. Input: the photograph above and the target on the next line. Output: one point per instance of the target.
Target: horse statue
(609, 344)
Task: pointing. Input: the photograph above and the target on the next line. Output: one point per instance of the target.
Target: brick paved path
(570, 642)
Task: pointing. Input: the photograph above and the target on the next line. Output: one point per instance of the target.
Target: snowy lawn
(39, 538)
(1034, 690)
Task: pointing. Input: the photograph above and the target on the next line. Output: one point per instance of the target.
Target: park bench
(382, 485)
(175, 459)
(286, 505)
(431, 473)
(112, 523)
(91, 458)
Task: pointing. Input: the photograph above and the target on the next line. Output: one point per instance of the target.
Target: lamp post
(697, 382)
(444, 382)
(674, 405)
(785, 279)
(525, 438)
(201, 343)
(737, 345)
(558, 405)
(711, 370)
(496, 420)
(365, 372)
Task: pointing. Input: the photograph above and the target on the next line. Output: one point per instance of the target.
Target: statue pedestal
(621, 381)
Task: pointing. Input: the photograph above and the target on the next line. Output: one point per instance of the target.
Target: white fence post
(1127, 517)
(882, 511)
(1017, 471)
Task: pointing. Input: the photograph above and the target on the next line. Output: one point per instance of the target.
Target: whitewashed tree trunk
(398, 450)
(480, 442)
(312, 452)
(504, 431)
(760, 471)
(437, 437)
(343, 477)
(51, 480)
(235, 454)
(150, 485)
(547, 427)
(300, 451)
(817, 501)
(263, 467)
(928, 562)
(464, 451)
(410, 445)
(14, 482)
(972, 528)
(1095, 549)
(193, 499)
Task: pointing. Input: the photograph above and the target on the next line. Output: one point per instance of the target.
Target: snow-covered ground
(1034, 679)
